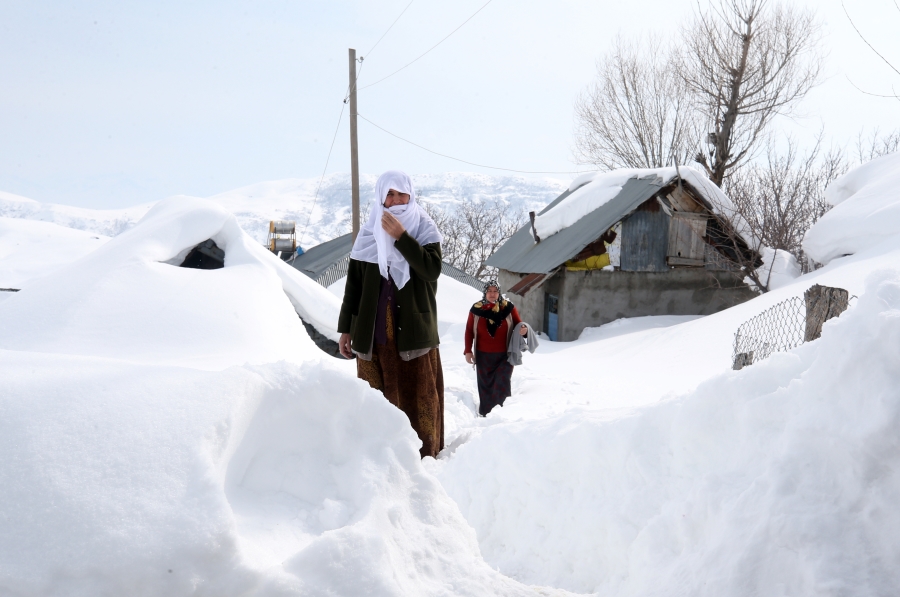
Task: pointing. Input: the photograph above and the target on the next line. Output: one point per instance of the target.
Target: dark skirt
(416, 387)
(494, 372)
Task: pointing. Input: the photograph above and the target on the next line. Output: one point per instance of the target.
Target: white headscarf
(374, 245)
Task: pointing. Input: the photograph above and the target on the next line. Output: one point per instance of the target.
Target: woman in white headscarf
(389, 314)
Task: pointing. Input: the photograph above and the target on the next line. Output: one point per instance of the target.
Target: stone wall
(595, 297)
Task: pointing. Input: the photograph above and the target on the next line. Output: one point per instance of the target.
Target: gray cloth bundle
(519, 343)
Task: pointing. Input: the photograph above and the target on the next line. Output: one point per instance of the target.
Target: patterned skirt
(416, 387)
(494, 373)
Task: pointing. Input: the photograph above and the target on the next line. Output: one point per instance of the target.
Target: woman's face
(395, 197)
(492, 294)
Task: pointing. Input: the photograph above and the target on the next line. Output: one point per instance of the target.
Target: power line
(443, 155)
(429, 49)
(871, 47)
(341, 115)
(325, 169)
(389, 28)
(358, 73)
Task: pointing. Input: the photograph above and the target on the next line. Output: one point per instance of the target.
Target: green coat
(417, 326)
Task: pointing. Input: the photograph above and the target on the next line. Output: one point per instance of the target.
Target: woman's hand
(523, 331)
(392, 225)
(344, 346)
(470, 358)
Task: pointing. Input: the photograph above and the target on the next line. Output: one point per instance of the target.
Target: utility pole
(354, 146)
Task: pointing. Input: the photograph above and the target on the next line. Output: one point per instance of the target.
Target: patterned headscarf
(488, 284)
(496, 313)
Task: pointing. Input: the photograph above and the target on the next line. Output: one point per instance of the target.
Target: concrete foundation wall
(593, 298)
(532, 303)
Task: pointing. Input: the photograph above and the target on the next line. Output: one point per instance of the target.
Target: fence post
(823, 303)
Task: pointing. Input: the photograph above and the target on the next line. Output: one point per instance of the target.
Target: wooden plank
(686, 236)
(683, 261)
(681, 200)
(645, 236)
(527, 283)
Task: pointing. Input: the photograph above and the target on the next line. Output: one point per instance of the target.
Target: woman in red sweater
(496, 317)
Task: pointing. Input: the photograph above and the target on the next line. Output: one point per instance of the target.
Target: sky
(109, 104)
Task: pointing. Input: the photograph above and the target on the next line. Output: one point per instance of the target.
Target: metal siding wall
(645, 240)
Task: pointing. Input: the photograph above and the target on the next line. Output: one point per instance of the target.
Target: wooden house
(658, 244)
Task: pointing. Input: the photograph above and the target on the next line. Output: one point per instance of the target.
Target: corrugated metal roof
(522, 255)
(319, 258)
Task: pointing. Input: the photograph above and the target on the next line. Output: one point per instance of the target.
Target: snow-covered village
(480, 298)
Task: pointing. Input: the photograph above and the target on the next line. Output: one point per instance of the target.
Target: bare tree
(473, 231)
(747, 61)
(638, 112)
(876, 145)
(777, 200)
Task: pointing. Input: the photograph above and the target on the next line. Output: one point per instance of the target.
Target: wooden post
(823, 303)
(742, 359)
(354, 147)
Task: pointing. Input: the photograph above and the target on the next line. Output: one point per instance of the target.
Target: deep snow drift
(144, 453)
(637, 463)
(780, 479)
(31, 249)
(128, 300)
(632, 461)
(866, 211)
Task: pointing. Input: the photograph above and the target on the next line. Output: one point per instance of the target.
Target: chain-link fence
(780, 328)
(777, 329)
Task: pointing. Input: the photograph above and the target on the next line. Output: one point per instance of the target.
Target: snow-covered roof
(318, 259)
(593, 203)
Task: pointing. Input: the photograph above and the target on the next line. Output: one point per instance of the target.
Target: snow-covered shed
(626, 243)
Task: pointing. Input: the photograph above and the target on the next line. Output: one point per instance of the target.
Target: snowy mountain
(104, 222)
(319, 217)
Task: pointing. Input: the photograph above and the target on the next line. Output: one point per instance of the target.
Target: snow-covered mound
(781, 479)
(31, 249)
(146, 454)
(129, 300)
(866, 211)
(130, 479)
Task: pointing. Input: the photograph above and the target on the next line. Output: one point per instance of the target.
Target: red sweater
(485, 343)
